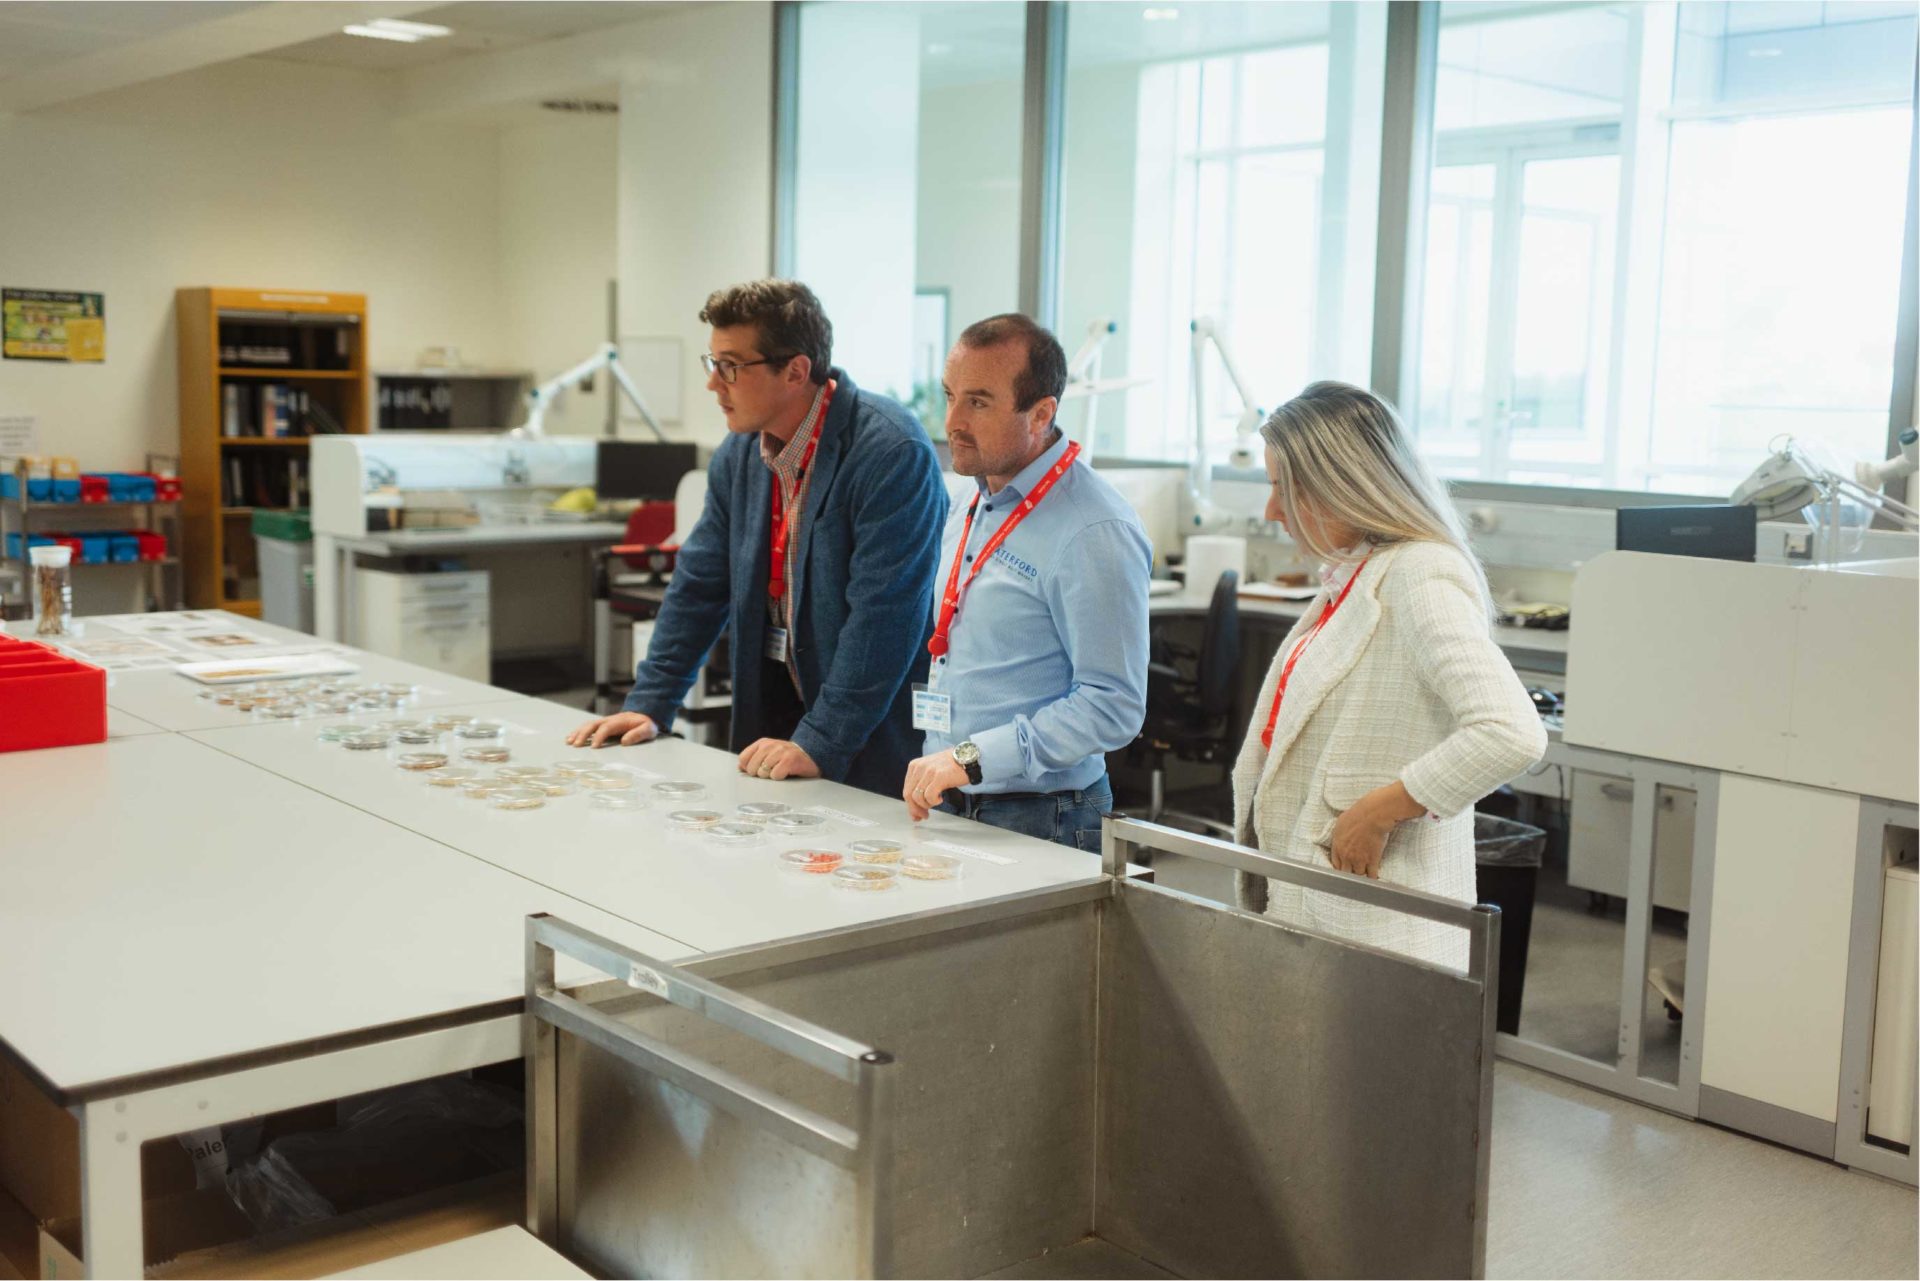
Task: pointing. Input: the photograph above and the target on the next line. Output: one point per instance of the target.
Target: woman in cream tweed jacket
(1400, 712)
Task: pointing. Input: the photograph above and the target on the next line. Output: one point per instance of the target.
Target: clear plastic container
(370, 741)
(876, 851)
(522, 771)
(797, 824)
(735, 834)
(573, 769)
(421, 761)
(623, 801)
(52, 589)
(396, 725)
(694, 820)
(285, 709)
(481, 729)
(486, 755)
(449, 721)
(417, 736)
(455, 776)
(864, 879)
(813, 862)
(396, 689)
(612, 778)
(679, 789)
(517, 798)
(761, 811)
(552, 786)
(342, 730)
(931, 867)
(482, 787)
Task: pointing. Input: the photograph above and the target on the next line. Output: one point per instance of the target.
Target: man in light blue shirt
(1040, 622)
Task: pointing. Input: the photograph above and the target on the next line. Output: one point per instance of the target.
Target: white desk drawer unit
(1599, 832)
(435, 620)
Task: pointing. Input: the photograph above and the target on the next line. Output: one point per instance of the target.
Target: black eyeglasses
(729, 370)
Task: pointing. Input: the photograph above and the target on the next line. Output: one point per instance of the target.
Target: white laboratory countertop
(633, 864)
(1530, 640)
(403, 542)
(167, 905)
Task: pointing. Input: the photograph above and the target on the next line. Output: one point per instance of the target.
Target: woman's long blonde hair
(1340, 451)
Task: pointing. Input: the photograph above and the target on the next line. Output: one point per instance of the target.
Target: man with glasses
(816, 548)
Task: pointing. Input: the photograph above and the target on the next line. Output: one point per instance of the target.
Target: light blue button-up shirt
(1047, 658)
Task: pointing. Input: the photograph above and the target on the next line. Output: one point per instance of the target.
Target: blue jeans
(1066, 818)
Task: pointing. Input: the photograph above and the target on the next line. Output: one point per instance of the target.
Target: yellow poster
(48, 324)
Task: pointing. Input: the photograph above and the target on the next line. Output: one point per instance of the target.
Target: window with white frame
(1222, 165)
(1661, 236)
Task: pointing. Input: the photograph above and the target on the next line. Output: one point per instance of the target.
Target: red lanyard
(943, 626)
(1286, 673)
(777, 555)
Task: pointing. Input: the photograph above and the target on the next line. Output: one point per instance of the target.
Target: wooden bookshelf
(326, 334)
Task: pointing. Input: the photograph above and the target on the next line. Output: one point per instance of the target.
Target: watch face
(966, 753)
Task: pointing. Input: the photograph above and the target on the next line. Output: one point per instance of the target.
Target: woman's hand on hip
(1360, 835)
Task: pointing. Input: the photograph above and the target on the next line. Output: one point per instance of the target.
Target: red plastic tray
(48, 699)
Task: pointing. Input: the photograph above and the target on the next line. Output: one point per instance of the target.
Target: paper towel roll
(1211, 555)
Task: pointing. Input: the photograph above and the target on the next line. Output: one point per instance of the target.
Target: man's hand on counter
(624, 728)
(928, 780)
(777, 758)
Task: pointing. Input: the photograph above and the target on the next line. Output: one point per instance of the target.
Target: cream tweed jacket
(1405, 682)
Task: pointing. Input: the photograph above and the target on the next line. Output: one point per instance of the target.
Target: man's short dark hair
(1046, 371)
(784, 313)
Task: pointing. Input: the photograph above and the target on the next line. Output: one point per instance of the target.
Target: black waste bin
(1508, 858)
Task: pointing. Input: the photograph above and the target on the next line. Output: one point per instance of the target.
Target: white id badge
(776, 644)
(931, 711)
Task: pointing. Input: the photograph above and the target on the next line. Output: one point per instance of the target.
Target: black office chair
(1190, 704)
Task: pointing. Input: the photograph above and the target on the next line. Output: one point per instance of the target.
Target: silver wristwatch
(967, 757)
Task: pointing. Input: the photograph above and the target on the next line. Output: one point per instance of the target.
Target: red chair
(647, 553)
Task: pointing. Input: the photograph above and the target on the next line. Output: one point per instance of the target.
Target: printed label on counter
(968, 851)
(851, 820)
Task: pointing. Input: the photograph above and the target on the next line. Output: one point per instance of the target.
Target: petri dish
(867, 879)
(368, 741)
(693, 820)
(876, 851)
(416, 736)
(447, 721)
(457, 776)
(608, 779)
(627, 800)
(481, 729)
(761, 811)
(396, 689)
(396, 725)
(931, 867)
(482, 787)
(517, 798)
(572, 769)
(551, 786)
(487, 755)
(522, 771)
(734, 834)
(284, 710)
(421, 760)
(679, 789)
(334, 733)
(816, 862)
(795, 824)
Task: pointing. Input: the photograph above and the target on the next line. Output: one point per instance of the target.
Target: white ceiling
(479, 26)
(53, 51)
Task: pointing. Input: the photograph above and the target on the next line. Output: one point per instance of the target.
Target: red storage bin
(48, 699)
(94, 489)
(153, 546)
(166, 489)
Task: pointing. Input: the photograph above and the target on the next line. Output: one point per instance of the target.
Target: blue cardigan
(862, 590)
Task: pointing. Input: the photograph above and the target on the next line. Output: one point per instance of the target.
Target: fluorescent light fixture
(397, 29)
(1160, 15)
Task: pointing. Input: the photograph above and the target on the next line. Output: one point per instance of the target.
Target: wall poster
(53, 324)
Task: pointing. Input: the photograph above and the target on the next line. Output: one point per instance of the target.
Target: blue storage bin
(66, 491)
(40, 489)
(96, 549)
(9, 485)
(125, 487)
(14, 549)
(126, 549)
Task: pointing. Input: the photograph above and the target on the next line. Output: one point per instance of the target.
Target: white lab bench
(220, 919)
